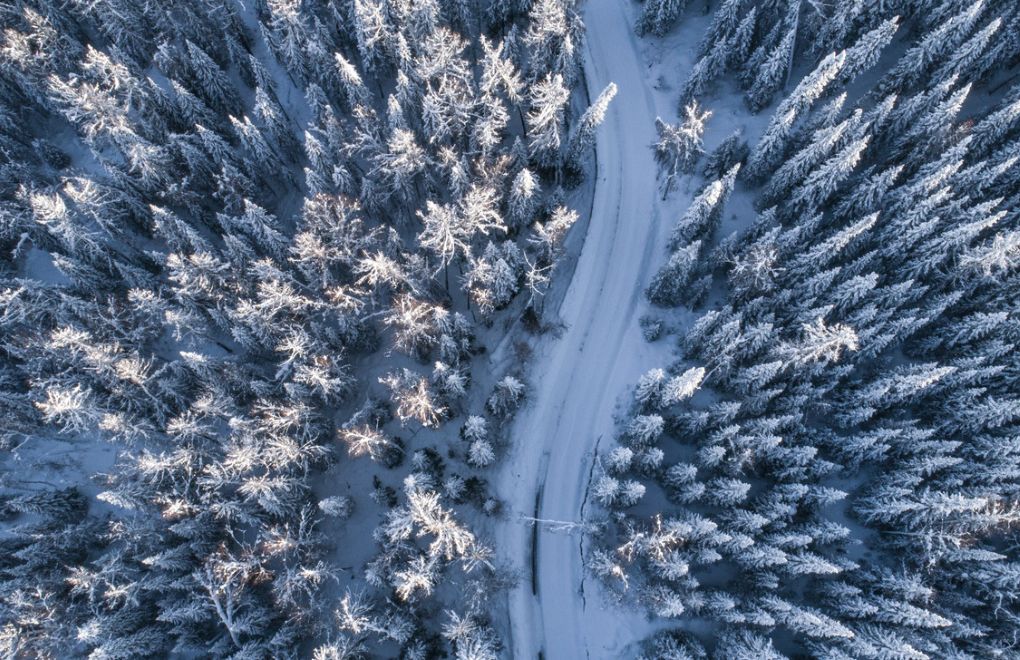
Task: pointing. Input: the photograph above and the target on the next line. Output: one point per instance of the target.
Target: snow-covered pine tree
(658, 16)
(772, 73)
(680, 146)
(704, 214)
(545, 121)
(584, 134)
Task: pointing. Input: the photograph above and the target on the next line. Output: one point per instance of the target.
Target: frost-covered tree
(704, 214)
(367, 441)
(679, 146)
(545, 120)
(506, 397)
(523, 198)
(670, 282)
(658, 16)
(865, 54)
(730, 152)
(584, 134)
(771, 75)
(414, 398)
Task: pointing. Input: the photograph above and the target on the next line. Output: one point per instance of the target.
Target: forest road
(579, 376)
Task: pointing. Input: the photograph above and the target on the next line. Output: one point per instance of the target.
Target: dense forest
(278, 276)
(830, 467)
(247, 253)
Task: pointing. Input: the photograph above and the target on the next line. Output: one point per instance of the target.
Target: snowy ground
(584, 376)
(578, 376)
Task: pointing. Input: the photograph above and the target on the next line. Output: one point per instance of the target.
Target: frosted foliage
(644, 429)
(475, 428)
(823, 342)
(679, 388)
(545, 119)
(481, 453)
(337, 506)
(251, 252)
(830, 455)
(506, 397)
(679, 146)
(650, 387)
(302, 354)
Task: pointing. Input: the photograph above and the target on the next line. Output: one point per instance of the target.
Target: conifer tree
(545, 120)
(680, 146)
(864, 54)
(705, 212)
(584, 134)
(771, 75)
(668, 285)
(930, 50)
(658, 16)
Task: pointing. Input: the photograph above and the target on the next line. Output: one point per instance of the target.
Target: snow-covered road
(579, 376)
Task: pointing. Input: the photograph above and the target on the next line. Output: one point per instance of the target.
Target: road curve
(579, 376)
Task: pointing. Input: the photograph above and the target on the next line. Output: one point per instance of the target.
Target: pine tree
(724, 23)
(820, 185)
(373, 33)
(773, 143)
(415, 399)
(445, 233)
(742, 644)
(522, 200)
(823, 342)
(545, 120)
(743, 39)
(865, 53)
(212, 82)
(931, 131)
(658, 16)
(679, 147)
(933, 48)
(351, 82)
(371, 442)
(705, 212)
(679, 388)
(481, 454)
(705, 70)
(553, 38)
(584, 134)
(771, 75)
(499, 75)
(993, 129)
(970, 53)
(506, 397)
(731, 152)
(549, 235)
(668, 286)
(837, 26)
(814, 85)
(494, 277)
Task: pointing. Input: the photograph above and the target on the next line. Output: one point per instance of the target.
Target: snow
(583, 377)
(39, 266)
(580, 375)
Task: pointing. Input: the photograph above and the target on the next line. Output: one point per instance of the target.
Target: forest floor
(583, 378)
